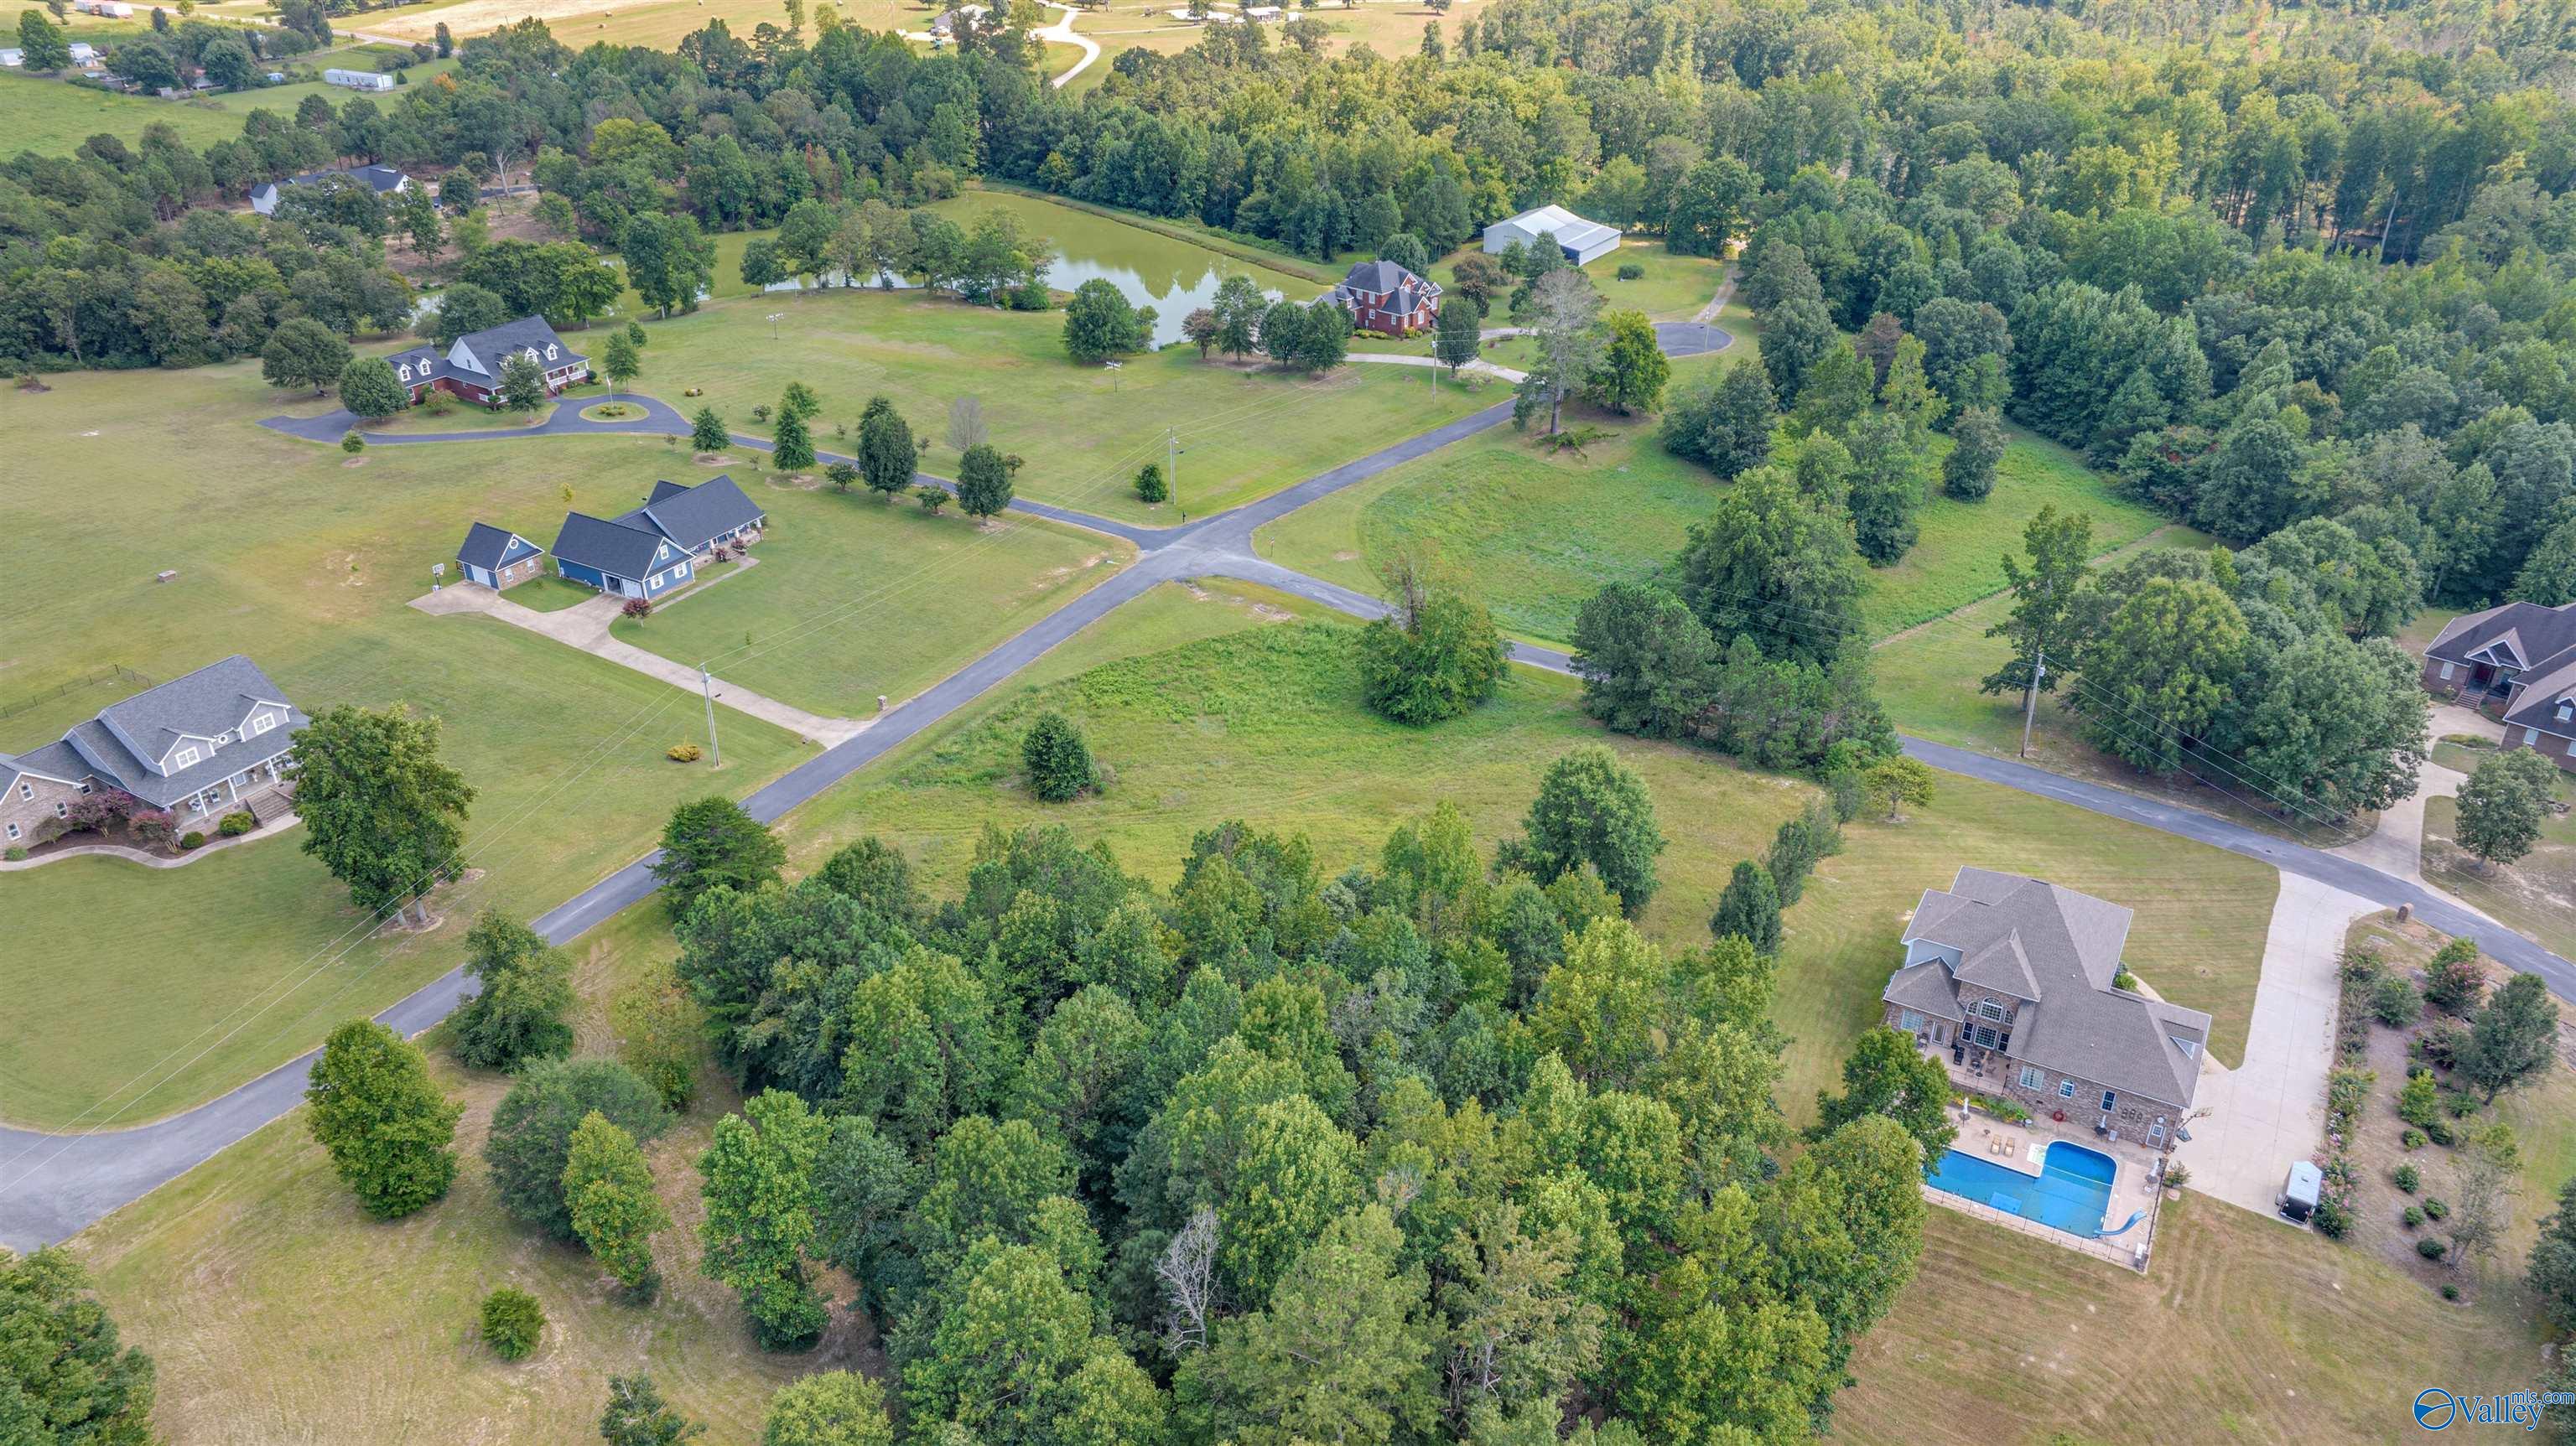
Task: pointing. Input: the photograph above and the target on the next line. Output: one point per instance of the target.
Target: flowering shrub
(637, 607)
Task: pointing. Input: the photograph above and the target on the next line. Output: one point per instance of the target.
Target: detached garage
(497, 558)
(1583, 242)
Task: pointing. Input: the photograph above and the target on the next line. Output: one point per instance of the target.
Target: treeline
(1435, 1148)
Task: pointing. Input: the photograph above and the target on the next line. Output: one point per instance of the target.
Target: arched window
(406, 371)
(550, 353)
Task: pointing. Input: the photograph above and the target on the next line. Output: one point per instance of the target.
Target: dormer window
(2189, 1049)
(550, 353)
(405, 369)
(184, 757)
(2566, 709)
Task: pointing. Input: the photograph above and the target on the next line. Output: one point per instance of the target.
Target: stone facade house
(1386, 298)
(2010, 981)
(197, 746)
(2517, 663)
(472, 367)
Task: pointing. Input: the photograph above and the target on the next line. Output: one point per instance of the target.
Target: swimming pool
(2072, 1191)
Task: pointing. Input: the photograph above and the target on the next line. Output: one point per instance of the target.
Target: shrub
(512, 1323)
(2413, 1139)
(2459, 1103)
(2450, 1291)
(2407, 1179)
(2431, 1249)
(760, 413)
(16, 854)
(2413, 1217)
(1631, 271)
(2453, 982)
(638, 607)
(2419, 1103)
(2123, 979)
(353, 444)
(2332, 1220)
(2393, 1002)
(237, 823)
(191, 840)
(1057, 759)
(931, 498)
(1150, 486)
(2360, 964)
(684, 753)
(2436, 1209)
(2178, 1176)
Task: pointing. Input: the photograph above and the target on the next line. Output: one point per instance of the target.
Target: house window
(184, 756)
(1984, 1037)
(2108, 1099)
(2189, 1049)
(405, 369)
(550, 353)
(2446, 672)
(13, 830)
(27, 791)
(1911, 1021)
(2066, 1089)
(62, 809)
(2566, 709)
(2030, 1077)
(2531, 737)
(1990, 1009)
(261, 723)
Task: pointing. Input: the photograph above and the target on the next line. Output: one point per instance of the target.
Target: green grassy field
(834, 571)
(50, 117)
(174, 982)
(2535, 894)
(1539, 532)
(1084, 430)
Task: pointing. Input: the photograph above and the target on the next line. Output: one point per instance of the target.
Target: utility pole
(2030, 703)
(707, 690)
(1172, 463)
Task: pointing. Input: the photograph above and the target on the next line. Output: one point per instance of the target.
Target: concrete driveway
(2270, 1110)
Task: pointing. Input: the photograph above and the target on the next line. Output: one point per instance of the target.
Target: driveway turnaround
(2253, 1120)
(2397, 845)
(53, 1185)
(652, 418)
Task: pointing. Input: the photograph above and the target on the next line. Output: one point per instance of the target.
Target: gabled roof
(56, 762)
(615, 548)
(493, 343)
(1571, 230)
(2059, 950)
(2536, 697)
(695, 516)
(492, 547)
(1380, 276)
(2533, 634)
(204, 704)
(1925, 987)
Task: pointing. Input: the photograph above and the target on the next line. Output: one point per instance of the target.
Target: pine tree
(707, 431)
(794, 449)
(1749, 909)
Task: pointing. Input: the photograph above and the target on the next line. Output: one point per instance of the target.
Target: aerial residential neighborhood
(1200, 724)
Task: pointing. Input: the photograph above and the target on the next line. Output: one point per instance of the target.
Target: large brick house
(2012, 982)
(197, 745)
(2518, 663)
(1384, 297)
(472, 367)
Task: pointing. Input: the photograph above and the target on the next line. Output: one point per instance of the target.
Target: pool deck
(2132, 1187)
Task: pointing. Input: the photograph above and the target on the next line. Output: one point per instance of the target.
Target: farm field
(1084, 430)
(287, 552)
(50, 117)
(1539, 533)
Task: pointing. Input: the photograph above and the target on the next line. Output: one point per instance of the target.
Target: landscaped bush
(512, 1323)
(2332, 1220)
(152, 827)
(353, 444)
(2431, 1249)
(2440, 1045)
(2178, 1176)
(2413, 1139)
(1631, 271)
(2123, 979)
(638, 607)
(2437, 1209)
(2393, 1002)
(15, 855)
(931, 498)
(2407, 1179)
(684, 753)
(2420, 1103)
(2413, 1217)
(240, 821)
(2450, 1291)
(2453, 981)
(192, 840)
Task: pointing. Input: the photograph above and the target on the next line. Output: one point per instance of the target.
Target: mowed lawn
(1084, 431)
(850, 598)
(157, 988)
(1538, 533)
(49, 116)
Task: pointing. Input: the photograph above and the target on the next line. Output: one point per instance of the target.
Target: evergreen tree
(1976, 445)
(887, 452)
(707, 431)
(64, 1378)
(1749, 909)
(793, 449)
(1151, 489)
(637, 1416)
(1800, 844)
(1056, 760)
(388, 1130)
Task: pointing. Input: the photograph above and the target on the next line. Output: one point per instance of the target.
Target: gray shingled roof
(205, 704)
(2535, 635)
(492, 547)
(490, 345)
(1927, 988)
(55, 760)
(202, 705)
(694, 516)
(616, 548)
(2059, 950)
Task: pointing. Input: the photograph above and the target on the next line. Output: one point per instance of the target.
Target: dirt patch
(1269, 614)
(1346, 556)
(713, 459)
(355, 462)
(1196, 592)
(795, 481)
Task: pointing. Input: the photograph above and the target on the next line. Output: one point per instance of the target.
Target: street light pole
(707, 690)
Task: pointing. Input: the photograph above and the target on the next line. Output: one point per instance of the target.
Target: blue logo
(2435, 1409)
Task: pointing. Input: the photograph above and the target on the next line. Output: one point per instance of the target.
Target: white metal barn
(360, 79)
(1582, 241)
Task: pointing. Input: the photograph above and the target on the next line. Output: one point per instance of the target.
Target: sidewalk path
(2271, 1109)
(53, 1185)
(584, 625)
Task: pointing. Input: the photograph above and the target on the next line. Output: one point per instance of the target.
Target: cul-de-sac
(1353, 723)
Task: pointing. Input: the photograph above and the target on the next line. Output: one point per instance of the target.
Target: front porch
(263, 790)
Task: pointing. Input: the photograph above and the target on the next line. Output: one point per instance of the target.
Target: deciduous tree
(368, 387)
(1592, 810)
(303, 352)
(983, 483)
(380, 810)
(1886, 1075)
(887, 452)
(522, 1004)
(531, 1136)
(2504, 803)
(1055, 758)
(608, 1193)
(388, 1130)
(710, 843)
(758, 1185)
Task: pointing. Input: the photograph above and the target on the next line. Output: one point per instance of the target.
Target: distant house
(12, 57)
(382, 180)
(497, 557)
(472, 367)
(946, 26)
(108, 9)
(209, 742)
(653, 549)
(2518, 663)
(84, 53)
(1583, 242)
(359, 79)
(1384, 297)
(2013, 982)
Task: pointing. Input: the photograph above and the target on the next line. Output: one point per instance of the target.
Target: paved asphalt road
(51, 1186)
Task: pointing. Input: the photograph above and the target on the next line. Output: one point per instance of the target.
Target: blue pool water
(2071, 1193)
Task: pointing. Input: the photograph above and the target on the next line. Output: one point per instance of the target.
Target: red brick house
(472, 367)
(1384, 297)
(2516, 663)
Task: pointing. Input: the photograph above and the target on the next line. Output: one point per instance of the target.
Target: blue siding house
(653, 549)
